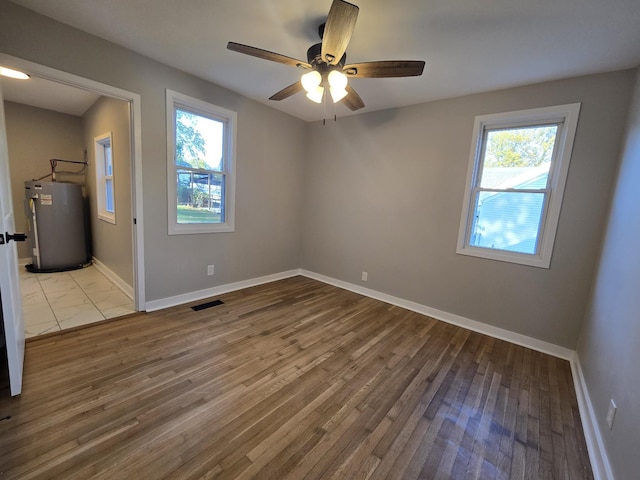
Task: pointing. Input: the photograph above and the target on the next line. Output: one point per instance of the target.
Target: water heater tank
(57, 223)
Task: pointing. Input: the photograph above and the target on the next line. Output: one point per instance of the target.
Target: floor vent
(202, 306)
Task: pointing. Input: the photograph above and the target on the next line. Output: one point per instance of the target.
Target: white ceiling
(42, 93)
(469, 46)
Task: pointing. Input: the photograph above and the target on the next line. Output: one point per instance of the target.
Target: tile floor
(55, 301)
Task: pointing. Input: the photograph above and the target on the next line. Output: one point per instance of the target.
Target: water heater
(56, 216)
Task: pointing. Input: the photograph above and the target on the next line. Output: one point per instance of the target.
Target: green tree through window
(521, 147)
(190, 144)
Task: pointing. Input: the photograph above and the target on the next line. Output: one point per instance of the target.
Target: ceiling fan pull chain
(324, 107)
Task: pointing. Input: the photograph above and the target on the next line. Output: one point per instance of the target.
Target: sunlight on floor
(55, 301)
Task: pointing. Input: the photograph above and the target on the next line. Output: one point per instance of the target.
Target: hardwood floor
(290, 380)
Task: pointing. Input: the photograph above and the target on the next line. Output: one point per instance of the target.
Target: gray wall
(112, 244)
(609, 347)
(384, 195)
(35, 136)
(270, 150)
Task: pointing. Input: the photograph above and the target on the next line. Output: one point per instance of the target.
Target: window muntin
(105, 178)
(515, 184)
(200, 165)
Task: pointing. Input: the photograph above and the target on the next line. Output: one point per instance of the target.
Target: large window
(104, 178)
(201, 164)
(515, 183)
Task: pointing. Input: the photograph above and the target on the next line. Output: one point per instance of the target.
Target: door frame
(134, 101)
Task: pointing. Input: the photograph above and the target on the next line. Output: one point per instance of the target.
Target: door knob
(16, 237)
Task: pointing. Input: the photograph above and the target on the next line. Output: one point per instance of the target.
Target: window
(104, 178)
(515, 182)
(201, 165)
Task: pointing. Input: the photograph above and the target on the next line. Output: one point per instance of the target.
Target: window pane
(198, 141)
(108, 190)
(108, 162)
(507, 221)
(518, 157)
(200, 197)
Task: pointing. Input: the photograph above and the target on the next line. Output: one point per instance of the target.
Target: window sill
(504, 256)
(189, 229)
(109, 218)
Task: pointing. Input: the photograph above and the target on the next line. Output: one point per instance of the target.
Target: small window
(105, 178)
(515, 183)
(201, 166)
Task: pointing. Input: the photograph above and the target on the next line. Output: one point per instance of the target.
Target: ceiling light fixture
(311, 82)
(337, 85)
(11, 73)
(314, 84)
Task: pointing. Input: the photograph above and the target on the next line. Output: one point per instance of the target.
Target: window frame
(567, 118)
(175, 100)
(102, 177)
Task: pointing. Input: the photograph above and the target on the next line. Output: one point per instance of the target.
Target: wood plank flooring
(290, 380)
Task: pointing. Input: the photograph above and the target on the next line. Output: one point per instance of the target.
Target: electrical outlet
(611, 414)
(210, 269)
(365, 276)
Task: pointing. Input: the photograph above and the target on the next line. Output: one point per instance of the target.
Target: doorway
(130, 214)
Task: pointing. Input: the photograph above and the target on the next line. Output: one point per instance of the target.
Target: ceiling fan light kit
(326, 62)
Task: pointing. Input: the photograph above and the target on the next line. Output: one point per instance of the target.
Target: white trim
(496, 332)
(167, 302)
(114, 278)
(229, 119)
(500, 333)
(595, 445)
(480, 327)
(568, 116)
(135, 102)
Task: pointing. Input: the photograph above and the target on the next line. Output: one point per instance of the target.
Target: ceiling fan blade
(352, 101)
(287, 91)
(384, 69)
(337, 30)
(266, 55)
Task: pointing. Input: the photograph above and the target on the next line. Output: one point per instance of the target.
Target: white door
(9, 280)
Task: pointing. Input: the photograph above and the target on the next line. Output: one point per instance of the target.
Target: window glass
(198, 154)
(513, 181)
(104, 171)
(518, 167)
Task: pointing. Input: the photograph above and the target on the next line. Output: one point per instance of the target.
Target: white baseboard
(501, 333)
(167, 302)
(117, 281)
(595, 445)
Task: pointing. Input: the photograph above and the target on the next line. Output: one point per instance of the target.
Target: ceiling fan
(326, 62)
